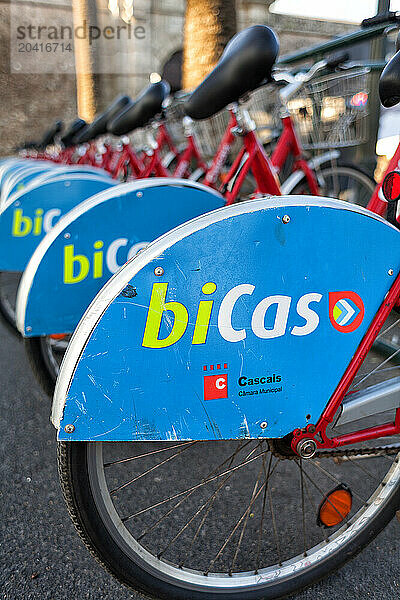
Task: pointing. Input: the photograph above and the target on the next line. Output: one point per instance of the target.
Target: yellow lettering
(21, 225)
(69, 262)
(155, 313)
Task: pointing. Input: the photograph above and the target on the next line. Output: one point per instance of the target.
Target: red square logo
(215, 386)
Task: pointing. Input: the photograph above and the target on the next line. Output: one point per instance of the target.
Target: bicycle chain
(378, 451)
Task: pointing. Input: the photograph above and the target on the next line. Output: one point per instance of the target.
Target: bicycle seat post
(245, 123)
(188, 126)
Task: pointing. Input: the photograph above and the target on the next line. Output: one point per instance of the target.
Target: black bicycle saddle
(146, 106)
(246, 61)
(75, 127)
(99, 125)
(49, 136)
(389, 82)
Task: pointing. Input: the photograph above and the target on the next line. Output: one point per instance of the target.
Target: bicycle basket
(138, 138)
(332, 111)
(263, 107)
(174, 115)
(208, 134)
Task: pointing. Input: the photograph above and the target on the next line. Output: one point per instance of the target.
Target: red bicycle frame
(265, 170)
(289, 144)
(222, 153)
(148, 163)
(318, 432)
(189, 154)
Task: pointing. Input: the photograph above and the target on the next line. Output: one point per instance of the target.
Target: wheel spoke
(194, 487)
(239, 543)
(130, 458)
(323, 495)
(376, 369)
(237, 525)
(303, 507)
(157, 466)
(262, 512)
(171, 510)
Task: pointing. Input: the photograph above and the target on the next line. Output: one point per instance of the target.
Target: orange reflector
(58, 336)
(335, 507)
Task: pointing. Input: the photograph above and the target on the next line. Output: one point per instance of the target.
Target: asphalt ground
(42, 557)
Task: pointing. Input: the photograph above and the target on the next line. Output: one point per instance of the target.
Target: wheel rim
(341, 182)
(345, 184)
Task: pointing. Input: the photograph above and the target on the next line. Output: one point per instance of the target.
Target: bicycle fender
(93, 240)
(249, 341)
(28, 216)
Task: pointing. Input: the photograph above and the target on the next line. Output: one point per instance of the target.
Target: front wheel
(343, 181)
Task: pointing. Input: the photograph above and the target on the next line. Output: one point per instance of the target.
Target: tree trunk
(84, 15)
(209, 25)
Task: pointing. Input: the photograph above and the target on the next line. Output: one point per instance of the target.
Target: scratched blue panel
(124, 391)
(124, 223)
(24, 222)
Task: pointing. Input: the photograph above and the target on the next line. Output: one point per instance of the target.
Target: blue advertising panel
(17, 176)
(59, 170)
(25, 177)
(32, 213)
(94, 240)
(238, 324)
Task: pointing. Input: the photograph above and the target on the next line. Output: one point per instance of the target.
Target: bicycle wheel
(45, 354)
(342, 181)
(9, 282)
(228, 519)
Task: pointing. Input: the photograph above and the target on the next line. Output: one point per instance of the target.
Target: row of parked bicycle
(152, 361)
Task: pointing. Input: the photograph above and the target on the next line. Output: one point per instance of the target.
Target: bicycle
(209, 445)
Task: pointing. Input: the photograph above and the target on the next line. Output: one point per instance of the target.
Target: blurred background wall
(30, 101)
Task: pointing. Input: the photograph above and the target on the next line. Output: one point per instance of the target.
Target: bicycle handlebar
(301, 78)
(386, 17)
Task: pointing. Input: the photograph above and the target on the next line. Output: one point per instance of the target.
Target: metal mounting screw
(306, 448)
(67, 236)
(390, 272)
(264, 425)
(285, 219)
(29, 328)
(139, 194)
(158, 271)
(69, 428)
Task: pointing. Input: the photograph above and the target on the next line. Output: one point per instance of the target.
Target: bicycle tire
(44, 366)
(7, 304)
(80, 489)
